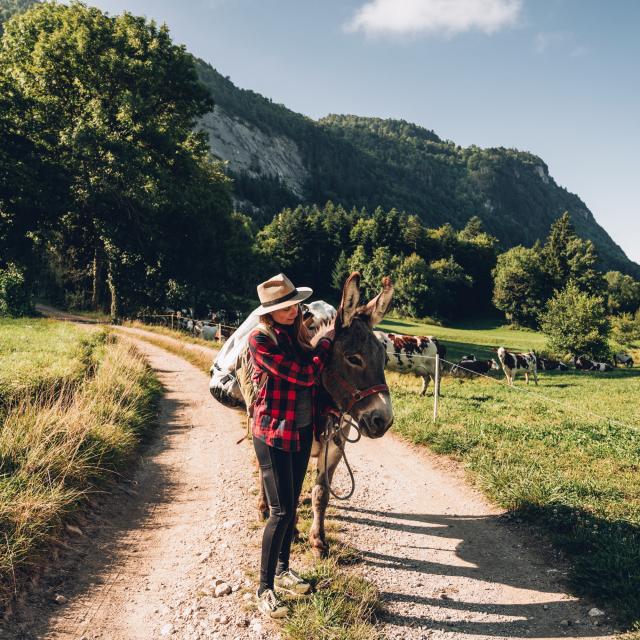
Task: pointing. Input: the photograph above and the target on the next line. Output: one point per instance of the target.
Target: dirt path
(444, 560)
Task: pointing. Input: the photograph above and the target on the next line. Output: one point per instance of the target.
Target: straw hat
(278, 293)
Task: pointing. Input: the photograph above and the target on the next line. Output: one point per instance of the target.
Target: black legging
(282, 475)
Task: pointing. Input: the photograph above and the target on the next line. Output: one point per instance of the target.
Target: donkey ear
(350, 299)
(377, 307)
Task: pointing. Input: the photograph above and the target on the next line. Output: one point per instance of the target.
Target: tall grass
(54, 448)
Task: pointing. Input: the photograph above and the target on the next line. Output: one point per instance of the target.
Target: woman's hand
(331, 334)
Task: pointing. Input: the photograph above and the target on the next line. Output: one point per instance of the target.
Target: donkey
(355, 383)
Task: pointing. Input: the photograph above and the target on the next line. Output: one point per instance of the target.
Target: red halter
(354, 395)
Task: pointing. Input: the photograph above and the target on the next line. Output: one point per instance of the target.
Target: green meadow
(41, 355)
(564, 455)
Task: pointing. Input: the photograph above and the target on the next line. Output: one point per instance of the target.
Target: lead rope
(335, 436)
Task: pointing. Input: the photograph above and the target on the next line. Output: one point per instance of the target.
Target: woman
(287, 371)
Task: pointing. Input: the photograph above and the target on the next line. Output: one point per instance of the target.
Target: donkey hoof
(320, 550)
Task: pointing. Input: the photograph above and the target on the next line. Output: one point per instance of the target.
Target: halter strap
(355, 395)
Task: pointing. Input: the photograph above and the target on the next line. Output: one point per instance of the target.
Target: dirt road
(447, 564)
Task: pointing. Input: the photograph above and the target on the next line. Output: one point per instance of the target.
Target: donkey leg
(320, 496)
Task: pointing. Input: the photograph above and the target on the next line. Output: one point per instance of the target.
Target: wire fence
(206, 329)
(527, 390)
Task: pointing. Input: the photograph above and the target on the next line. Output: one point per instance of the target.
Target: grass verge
(564, 455)
(56, 449)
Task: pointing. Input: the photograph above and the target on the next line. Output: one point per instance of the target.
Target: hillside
(279, 158)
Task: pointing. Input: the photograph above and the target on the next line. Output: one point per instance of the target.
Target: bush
(15, 294)
(575, 322)
(626, 329)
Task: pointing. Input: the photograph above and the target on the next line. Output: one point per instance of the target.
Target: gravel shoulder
(447, 563)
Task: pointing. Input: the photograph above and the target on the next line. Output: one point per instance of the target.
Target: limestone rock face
(255, 151)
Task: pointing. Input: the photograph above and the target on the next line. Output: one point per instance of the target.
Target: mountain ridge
(369, 162)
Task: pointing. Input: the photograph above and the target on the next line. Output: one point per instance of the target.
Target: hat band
(289, 295)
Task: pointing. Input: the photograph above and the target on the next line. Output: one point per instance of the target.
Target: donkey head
(354, 376)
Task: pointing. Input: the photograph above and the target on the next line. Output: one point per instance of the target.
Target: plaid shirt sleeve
(269, 357)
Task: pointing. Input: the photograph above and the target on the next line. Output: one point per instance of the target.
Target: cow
(514, 362)
(467, 367)
(623, 358)
(549, 364)
(601, 366)
(413, 354)
(584, 363)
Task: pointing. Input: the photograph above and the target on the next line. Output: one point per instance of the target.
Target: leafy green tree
(567, 257)
(576, 323)
(10, 8)
(520, 285)
(340, 272)
(623, 292)
(448, 283)
(412, 286)
(626, 329)
(117, 102)
(15, 294)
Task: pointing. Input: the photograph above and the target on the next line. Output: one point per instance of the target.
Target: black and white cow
(413, 354)
(514, 362)
(549, 364)
(586, 364)
(601, 366)
(467, 367)
(623, 358)
(582, 363)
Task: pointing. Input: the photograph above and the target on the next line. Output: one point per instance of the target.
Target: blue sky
(559, 78)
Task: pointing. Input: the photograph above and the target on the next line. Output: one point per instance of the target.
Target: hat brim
(303, 294)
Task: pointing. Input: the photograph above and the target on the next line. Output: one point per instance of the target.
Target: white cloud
(447, 17)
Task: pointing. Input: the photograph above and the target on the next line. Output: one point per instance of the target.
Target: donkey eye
(355, 360)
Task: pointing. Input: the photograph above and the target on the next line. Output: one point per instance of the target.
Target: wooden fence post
(436, 391)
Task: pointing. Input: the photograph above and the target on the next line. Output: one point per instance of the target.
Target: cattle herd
(417, 354)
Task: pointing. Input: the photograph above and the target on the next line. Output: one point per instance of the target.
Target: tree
(567, 257)
(448, 283)
(626, 329)
(116, 104)
(15, 297)
(576, 323)
(412, 285)
(623, 293)
(520, 285)
(340, 272)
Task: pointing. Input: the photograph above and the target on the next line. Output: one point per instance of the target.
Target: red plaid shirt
(274, 418)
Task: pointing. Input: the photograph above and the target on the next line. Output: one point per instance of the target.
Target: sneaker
(269, 604)
(291, 582)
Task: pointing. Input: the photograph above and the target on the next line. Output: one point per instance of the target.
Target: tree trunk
(96, 273)
(113, 290)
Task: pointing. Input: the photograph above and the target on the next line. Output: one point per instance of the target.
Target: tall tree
(520, 286)
(117, 102)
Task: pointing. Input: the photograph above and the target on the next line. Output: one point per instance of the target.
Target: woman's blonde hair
(303, 335)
